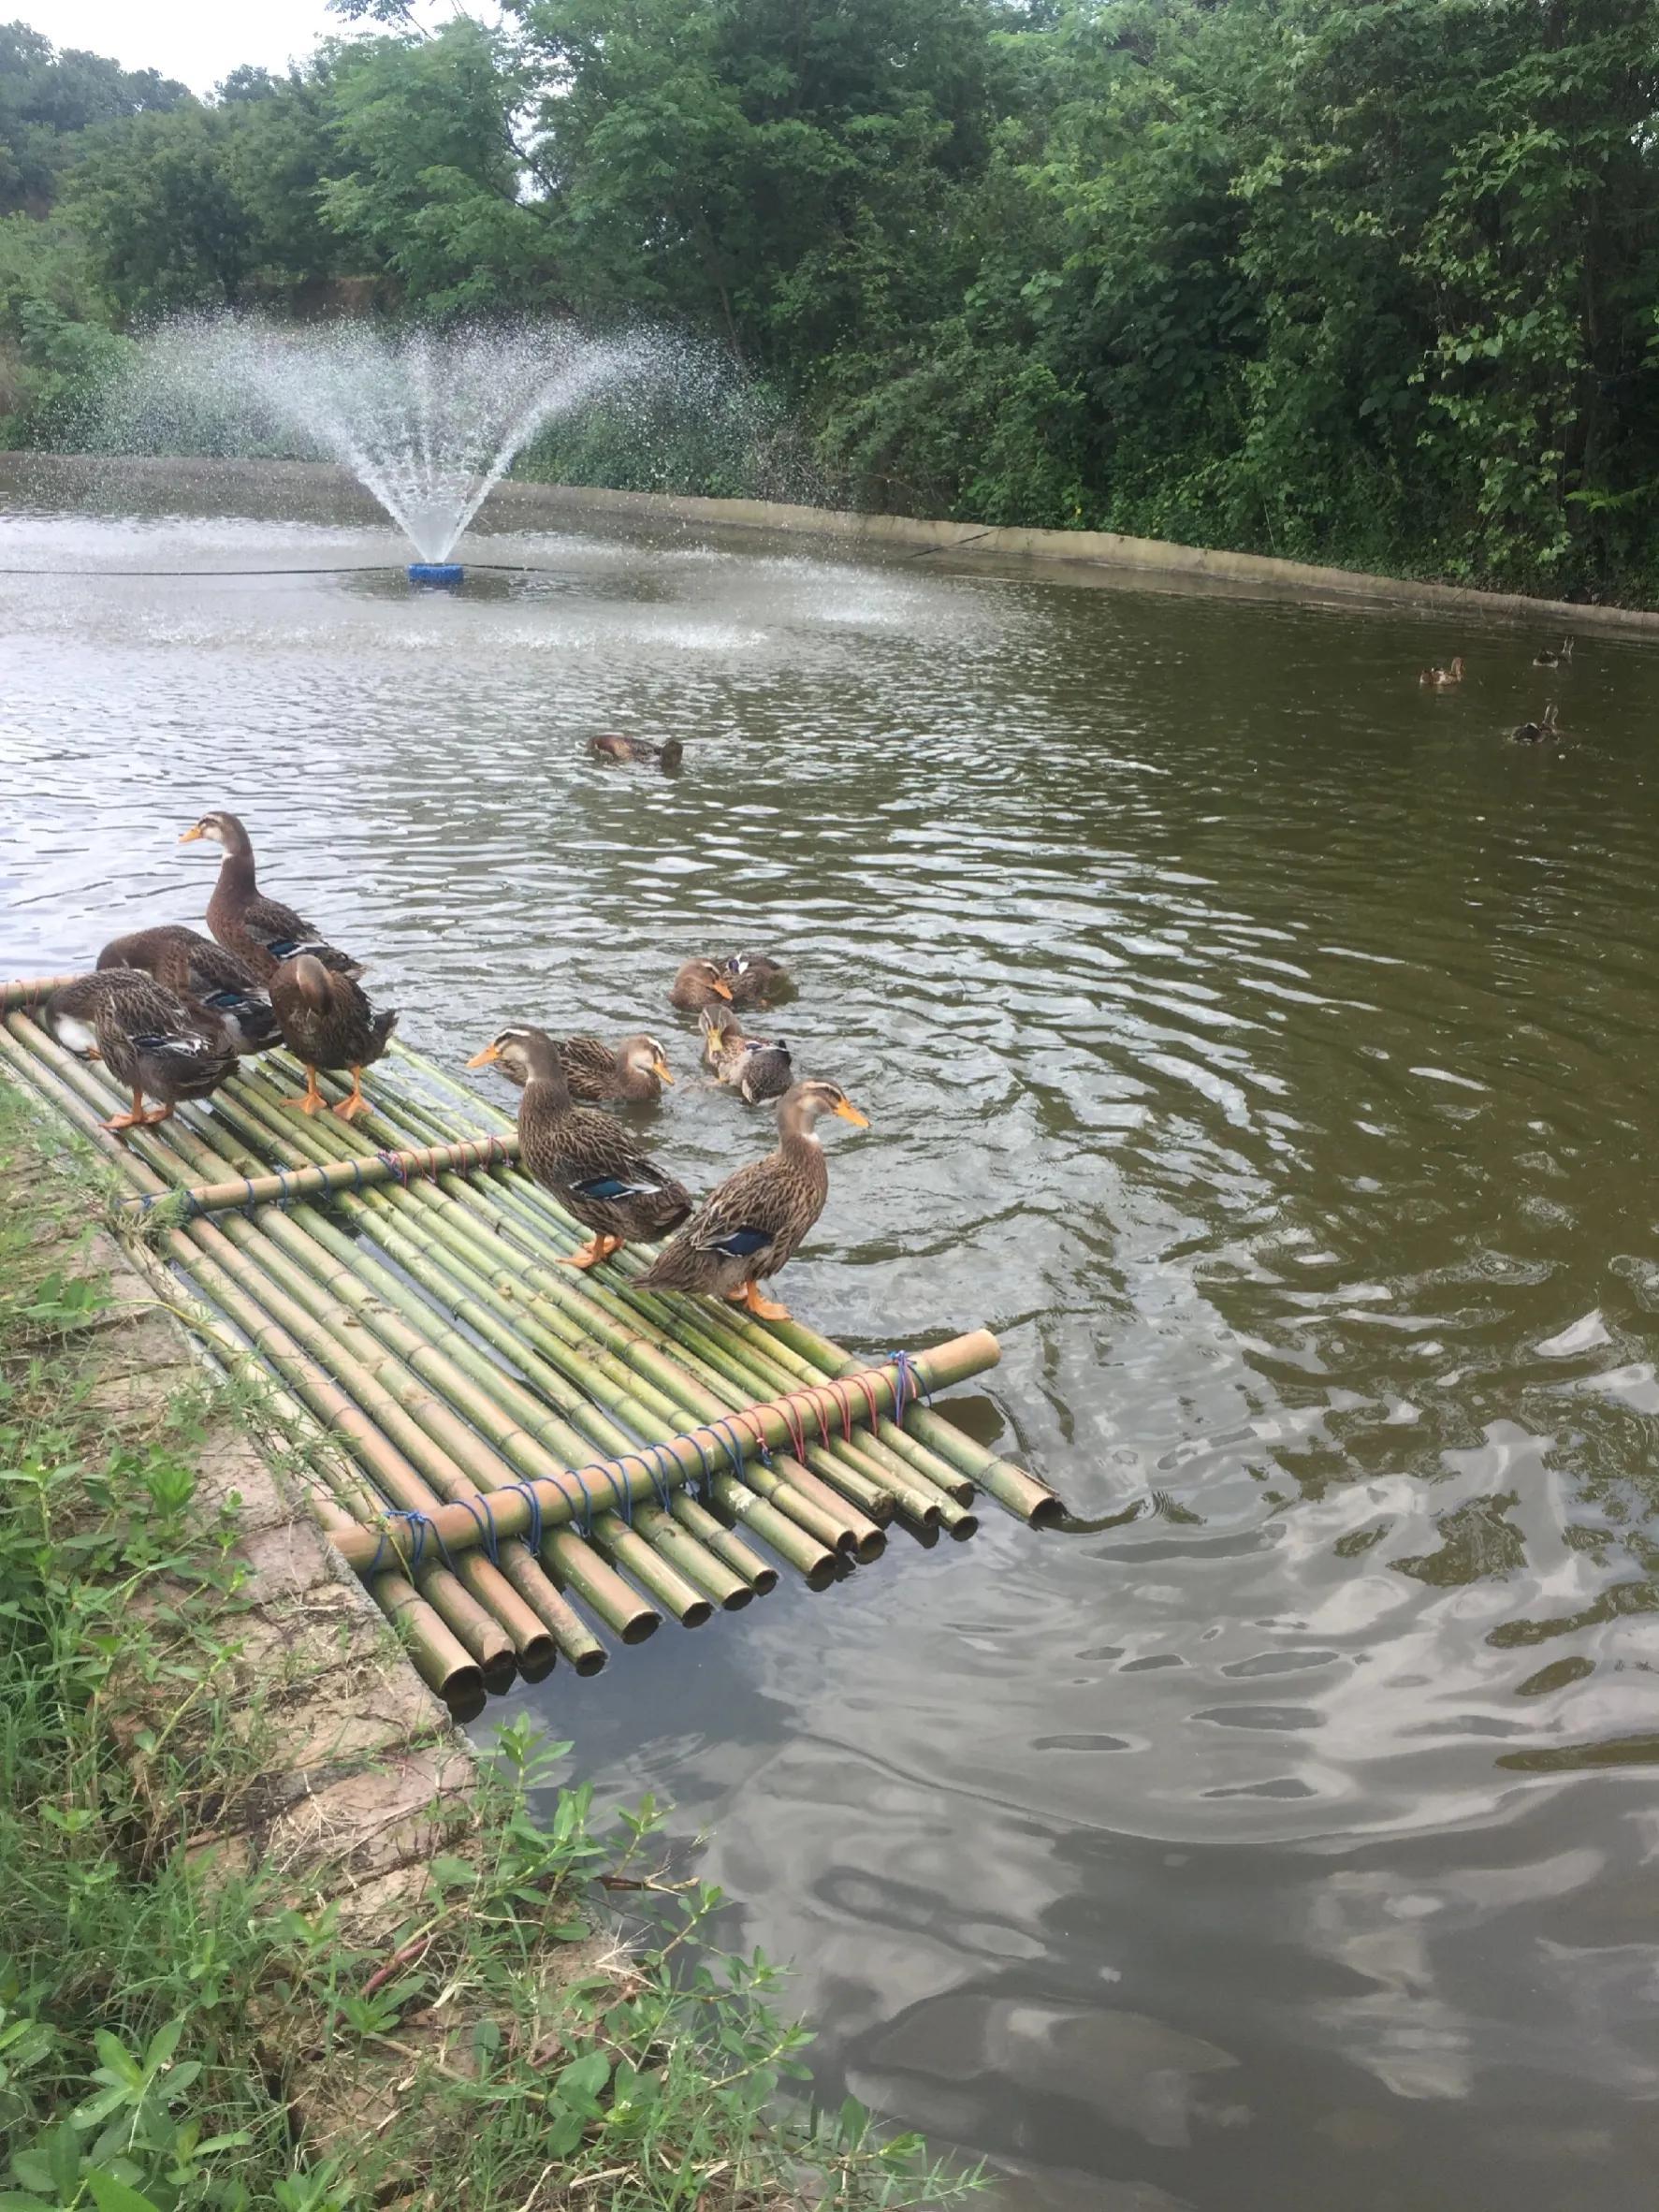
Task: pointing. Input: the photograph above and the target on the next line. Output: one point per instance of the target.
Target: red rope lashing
(839, 1389)
(753, 1426)
(867, 1386)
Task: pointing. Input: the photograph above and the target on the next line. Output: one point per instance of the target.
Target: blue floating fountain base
(436, 571)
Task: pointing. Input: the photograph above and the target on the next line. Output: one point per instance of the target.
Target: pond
(1261, 1045)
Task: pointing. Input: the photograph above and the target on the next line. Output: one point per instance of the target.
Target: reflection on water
(1261, 1047)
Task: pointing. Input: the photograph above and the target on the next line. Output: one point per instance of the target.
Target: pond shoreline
(1147, 558)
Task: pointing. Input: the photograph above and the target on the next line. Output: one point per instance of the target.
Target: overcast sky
(198, 41)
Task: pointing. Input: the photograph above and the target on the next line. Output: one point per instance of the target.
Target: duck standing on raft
(595, 1168)
(745, 1230)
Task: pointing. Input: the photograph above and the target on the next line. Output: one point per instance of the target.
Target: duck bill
(190, 835)
(721, 988)
(660, 1069)
(848, 1112)
(491, 1052)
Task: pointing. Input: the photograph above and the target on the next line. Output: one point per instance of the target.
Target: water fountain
(428, 421)
(429, 424)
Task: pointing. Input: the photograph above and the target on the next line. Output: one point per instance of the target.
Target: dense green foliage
(1365, 281)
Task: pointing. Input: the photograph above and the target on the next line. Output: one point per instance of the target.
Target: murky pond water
(1263, 1046)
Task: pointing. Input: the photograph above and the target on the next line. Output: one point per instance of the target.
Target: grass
(159, 2030)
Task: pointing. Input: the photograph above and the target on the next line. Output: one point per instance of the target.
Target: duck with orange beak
(260, 931)
(698, 983)
(595, 1168)
(746, 1230)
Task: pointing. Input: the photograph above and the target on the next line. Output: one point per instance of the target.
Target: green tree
(156, 203)
(47, 98)
(429, 181)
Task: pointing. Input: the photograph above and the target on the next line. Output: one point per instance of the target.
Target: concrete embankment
(529, 507)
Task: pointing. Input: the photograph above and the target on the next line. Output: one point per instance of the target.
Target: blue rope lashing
(909, 1384)
(532, 1498)
(580, 1480)
(483, 1520)
(659, 1481)
(357, 1172)
(724, 1428)
(653, 1467)
(250, 1202)
(281, 1176)
(417, 1524)
(708, 1471)
(621, 1490)
(394, 1166)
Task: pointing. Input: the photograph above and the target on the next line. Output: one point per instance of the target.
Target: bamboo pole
(623, 1548)
(439, 1658)
(759, 1574)
(827, 1517)
(434, 1640)
(744, 1355)
(30, 991)
(285, 1185)
(459, 1467)
(923, 1437)
(815, 1562)
(307, 1315)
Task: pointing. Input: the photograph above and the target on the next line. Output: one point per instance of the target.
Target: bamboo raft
(528, 1454)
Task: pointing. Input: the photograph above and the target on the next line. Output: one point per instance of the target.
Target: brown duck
(203, 973)
(1541, 732)
(746, 1229)
(1442, 680)
(258, 930)
(326, 1022)
(755, 979)
(151, 1040)
(635, 1069)
(756, 1068)
(698, 983)
(594, 1167)
(612, 747)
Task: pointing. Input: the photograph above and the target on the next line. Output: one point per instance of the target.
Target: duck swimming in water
(756, 1068)
(700, 983)
(1543, 732)
(1442, 680)
(635, 1069)
(612, 747)
(1544, 658)
(755, 979)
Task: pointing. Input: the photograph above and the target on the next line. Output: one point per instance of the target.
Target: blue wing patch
(611, 1187)
(743, 1243)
